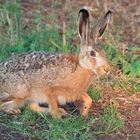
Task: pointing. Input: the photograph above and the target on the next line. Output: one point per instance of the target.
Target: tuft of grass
(109, 121)
(127, 84)
(68, 128)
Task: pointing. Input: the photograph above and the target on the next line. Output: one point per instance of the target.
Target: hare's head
(92, 56)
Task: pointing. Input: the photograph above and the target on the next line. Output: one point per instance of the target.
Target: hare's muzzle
(103, 70)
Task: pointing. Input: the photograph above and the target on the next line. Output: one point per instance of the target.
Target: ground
(124, 33)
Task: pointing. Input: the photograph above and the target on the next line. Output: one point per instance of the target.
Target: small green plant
(94, 93)
(132, 66)
(129, 64)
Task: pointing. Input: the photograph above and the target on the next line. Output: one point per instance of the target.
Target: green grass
(94, 93)
(15, 38)
(110, 120)
(43, 126)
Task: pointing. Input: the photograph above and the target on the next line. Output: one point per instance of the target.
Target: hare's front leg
(87, 102)
(53, 107)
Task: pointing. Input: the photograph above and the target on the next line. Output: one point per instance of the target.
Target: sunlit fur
(40, 77)
(54, 78)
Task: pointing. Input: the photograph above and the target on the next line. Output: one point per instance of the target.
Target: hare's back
(41, 64)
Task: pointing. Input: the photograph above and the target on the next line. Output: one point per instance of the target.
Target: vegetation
(16, 38)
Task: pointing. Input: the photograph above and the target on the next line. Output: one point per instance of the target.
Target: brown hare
(54, 78)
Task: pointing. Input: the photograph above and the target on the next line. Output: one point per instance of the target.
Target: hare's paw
(9, 107)
(59, 113)
(84, 112)
(13, 111)
(63, 112)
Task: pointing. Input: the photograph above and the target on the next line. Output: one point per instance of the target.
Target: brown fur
(30, 85)
(53, 78)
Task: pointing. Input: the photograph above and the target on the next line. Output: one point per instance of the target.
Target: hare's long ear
(101, 26)
(83, 23)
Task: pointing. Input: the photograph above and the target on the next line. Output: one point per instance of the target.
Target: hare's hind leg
(87, 102)
(3, 95)
(36, 108)
(13, 106)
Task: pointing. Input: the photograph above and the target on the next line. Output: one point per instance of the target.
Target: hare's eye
(92, 53)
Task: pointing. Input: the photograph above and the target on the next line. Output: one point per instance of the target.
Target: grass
(110, 120)
(72, 128)
(15, 38)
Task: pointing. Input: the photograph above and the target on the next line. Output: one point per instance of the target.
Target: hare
(54, 78)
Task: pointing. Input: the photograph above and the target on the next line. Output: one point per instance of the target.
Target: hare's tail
(3, 95)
